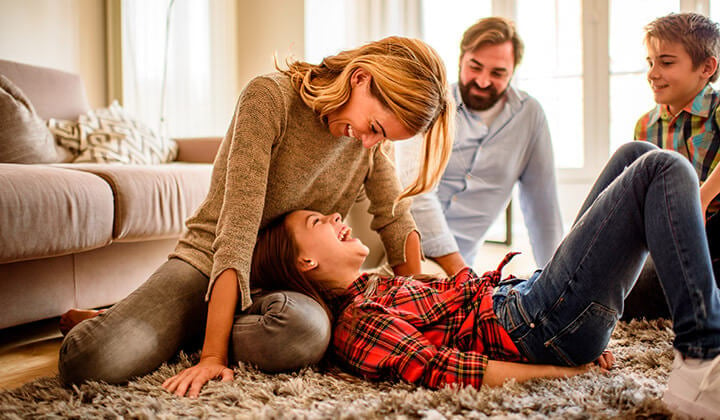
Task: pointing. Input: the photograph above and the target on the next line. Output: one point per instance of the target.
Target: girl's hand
(196, 376)
(606, 360)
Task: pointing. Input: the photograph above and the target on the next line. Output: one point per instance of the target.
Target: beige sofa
(85, 235)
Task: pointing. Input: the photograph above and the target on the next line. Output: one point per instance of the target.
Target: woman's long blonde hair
(408, 77)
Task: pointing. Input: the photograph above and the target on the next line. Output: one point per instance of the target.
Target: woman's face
(363, 117)
(325, 243)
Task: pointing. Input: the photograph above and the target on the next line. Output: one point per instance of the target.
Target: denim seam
(587, 250)
(597, 232)
(521, 310)
(686, 283)
(552, 340)
(559, 353)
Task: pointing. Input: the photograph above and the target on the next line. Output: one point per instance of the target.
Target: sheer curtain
(334, 25)
(199, 89)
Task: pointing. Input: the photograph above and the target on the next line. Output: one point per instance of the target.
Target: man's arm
(538, 194)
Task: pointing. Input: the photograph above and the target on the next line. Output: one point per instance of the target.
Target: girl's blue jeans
(645, 200)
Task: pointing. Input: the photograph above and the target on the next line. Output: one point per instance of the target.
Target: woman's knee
(95, 350)
(281, 331)
(81, 357)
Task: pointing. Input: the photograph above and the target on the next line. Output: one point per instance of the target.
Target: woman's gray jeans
(281, 330)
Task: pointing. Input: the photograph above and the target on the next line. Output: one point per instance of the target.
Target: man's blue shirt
(485, 164)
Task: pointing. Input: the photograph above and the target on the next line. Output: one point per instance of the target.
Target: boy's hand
(196, 377)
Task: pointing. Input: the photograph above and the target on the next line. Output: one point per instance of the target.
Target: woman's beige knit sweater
(277, 157)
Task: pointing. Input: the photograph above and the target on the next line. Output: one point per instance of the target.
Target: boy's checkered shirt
(694, 132)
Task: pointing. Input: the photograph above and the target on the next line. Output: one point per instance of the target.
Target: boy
(683, 59)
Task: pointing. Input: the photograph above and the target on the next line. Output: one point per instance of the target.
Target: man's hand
(451, 263)
(192, 379)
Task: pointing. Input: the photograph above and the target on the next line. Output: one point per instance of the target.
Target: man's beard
(479, 103)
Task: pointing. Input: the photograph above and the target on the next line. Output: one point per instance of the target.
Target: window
(630, 95)
(200, 87)
(335, 25)
(446, 38)
(552, 71)
(584, 61)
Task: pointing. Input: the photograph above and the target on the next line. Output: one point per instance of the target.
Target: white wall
(64, 34)
(267, 27)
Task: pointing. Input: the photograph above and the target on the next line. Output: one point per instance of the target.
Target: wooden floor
(28, 352)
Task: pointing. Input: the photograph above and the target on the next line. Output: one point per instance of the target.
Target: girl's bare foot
(71, 318)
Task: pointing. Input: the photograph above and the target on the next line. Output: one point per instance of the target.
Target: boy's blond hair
(408, 77)
(698, 34)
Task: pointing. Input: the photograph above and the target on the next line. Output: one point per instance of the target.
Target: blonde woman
(310, 136)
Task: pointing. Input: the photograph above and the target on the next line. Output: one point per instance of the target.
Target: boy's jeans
(565, 313)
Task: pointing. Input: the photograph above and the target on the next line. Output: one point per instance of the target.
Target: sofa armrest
(198, 149)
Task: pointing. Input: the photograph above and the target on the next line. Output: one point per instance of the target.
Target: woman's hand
(192, 379)
(213, 359)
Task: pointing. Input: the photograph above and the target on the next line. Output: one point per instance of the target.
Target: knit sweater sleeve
(258, 122)
(393, 223)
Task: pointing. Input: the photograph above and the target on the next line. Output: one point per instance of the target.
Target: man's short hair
(698, 34)
(492, 31)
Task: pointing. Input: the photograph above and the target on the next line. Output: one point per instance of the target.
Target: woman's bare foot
(71, 318)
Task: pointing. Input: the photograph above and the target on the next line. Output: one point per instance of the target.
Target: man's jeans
(646, 199)
(280, 331)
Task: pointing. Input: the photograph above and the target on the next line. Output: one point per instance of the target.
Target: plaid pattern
(694, 132)
(433, 332)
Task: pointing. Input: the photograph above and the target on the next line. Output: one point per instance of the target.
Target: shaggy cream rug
(630, 390)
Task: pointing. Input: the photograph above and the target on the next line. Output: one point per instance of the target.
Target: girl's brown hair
(274, 264)
(408, 77)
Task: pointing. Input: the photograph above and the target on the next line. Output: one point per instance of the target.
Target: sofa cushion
(152, 201)
(47, 211)
(23, 134)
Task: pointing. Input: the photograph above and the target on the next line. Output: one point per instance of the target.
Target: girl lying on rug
(472, 329)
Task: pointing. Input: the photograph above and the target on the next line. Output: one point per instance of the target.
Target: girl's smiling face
(364, 117)
(326, 247)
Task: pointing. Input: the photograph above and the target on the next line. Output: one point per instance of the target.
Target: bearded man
(502, 138)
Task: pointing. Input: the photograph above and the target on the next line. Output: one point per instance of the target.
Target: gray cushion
(24, 138)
